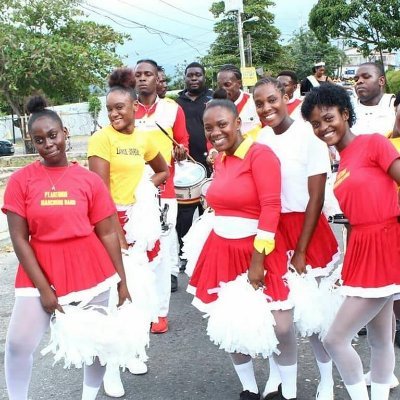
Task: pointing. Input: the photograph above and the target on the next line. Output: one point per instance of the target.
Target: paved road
(183, 364)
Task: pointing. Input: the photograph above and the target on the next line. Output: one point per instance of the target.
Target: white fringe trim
(373, 293)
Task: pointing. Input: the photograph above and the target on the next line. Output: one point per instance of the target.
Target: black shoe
(246, 395)
(272, 396)
(281, 396)
(362, 331)
(182, 265)
(174, 283)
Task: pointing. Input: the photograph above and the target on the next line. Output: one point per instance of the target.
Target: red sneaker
(161, 326)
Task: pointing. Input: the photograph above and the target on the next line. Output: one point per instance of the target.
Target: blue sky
(186, 25)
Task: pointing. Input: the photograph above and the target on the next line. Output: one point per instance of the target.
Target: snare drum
(203, 192)
(187, 181)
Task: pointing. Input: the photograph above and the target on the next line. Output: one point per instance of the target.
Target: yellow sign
(249, 76)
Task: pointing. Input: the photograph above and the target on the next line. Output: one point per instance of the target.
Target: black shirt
(194, 110)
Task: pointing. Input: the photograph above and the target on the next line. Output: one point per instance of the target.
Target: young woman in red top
(246, 202)
(56, 210)
(367, 193)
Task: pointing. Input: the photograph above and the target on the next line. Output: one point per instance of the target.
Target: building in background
(354, 58)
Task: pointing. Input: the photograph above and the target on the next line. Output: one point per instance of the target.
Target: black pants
(184, 220)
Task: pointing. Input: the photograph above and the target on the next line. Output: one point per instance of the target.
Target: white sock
(325, 371)
(246, 375)
(289, 380)
(274, 378)
(380, 391)
(89, 393)
(358, 391)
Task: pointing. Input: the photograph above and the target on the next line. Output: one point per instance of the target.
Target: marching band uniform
(170, 116)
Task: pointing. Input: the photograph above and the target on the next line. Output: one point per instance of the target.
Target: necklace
(53, 184)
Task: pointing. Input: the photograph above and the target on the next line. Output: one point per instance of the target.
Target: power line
(186, 12)
(148, 28)
(163, 16)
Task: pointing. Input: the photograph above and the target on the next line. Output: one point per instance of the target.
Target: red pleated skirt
(222, 260)
(72, 267)
(323, 249)
(151, 254)
(371, 266)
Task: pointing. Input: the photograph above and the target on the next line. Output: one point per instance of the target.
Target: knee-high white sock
(325, 371)
(380, 391)
(289, 380)
(274, 378)
(89, 393)
(358, 391)
(246, 375)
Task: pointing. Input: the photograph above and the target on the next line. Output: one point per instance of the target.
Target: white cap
(319, 64)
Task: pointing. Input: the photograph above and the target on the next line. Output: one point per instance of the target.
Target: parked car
(6, 148)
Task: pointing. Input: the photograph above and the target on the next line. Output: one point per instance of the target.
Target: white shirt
(301, 155)
(375, 119)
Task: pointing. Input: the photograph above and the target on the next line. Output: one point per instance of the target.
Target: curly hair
(328, 95)
(123, 79)
(397, 100)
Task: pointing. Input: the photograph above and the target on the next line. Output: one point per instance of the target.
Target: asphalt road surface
(183, 364)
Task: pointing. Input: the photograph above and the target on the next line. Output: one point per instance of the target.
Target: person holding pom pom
(56, 210)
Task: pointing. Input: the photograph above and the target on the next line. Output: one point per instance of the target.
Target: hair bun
(123, 77)
(36, 104)
(220, 94)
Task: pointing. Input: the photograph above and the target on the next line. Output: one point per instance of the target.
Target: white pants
(169, 258)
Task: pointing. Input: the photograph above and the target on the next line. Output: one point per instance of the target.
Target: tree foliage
(368, 25)
(393, 81)
(47, 45)
(304, 50)
(264, 35)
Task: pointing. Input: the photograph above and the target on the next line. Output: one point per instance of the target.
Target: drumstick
(174, 141)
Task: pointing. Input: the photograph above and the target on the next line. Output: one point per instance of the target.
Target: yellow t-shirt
(396, 143)
(127, 155)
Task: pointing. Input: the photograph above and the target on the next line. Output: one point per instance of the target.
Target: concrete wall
(74, 116)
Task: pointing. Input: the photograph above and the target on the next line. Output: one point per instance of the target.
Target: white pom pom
(143, 226)
(196, 237)
(305, 295)
(331, 299)
(240, 320)
(141, 281)
(80, 334)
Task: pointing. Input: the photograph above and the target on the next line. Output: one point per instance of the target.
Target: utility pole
(250, 54)
(241, 44)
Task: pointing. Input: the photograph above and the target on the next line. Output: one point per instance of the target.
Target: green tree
(393, 81)
(47, 45)
(368, 25)
(94, 108)
(177, 81)
(304, 49)
(264, 35)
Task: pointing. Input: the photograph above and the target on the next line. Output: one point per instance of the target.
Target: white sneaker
(324, 392)
(112, 382)
(394, 382)
(137, 367)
